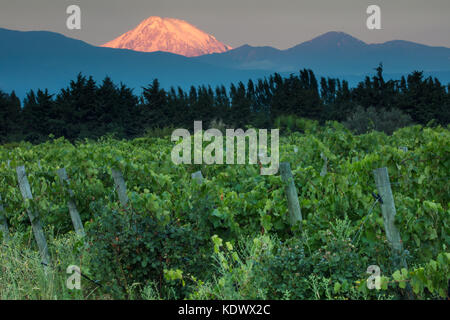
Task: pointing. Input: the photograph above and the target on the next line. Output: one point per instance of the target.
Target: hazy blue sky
(278, 23)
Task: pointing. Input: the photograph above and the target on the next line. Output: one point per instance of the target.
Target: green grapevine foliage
(170, 217)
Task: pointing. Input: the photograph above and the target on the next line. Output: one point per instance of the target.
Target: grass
(23, 277)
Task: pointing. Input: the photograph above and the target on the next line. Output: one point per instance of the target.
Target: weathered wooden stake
(197, 176)
(295, 213)
(120, 186)
(324, 171)
(74, 215)
(3, 223)
(34, 217)
(388, 210)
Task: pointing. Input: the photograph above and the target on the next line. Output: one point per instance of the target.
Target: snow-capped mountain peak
(169, 35)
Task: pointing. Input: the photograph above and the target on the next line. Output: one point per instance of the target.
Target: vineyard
(160, 234)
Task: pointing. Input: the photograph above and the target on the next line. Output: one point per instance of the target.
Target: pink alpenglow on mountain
(169, 35)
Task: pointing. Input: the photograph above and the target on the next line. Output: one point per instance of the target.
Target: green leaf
(397, 275)
(337, 287)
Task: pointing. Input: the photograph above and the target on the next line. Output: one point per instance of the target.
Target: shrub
(133, 249)
(267, 268)
(292, 123)
(364, 120)
(290, 268)
(219, 125)
(159, 132)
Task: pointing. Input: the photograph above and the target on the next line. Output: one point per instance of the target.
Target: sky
(277, 23)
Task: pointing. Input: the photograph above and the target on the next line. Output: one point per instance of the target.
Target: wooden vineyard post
(74, 214)
(197, 176)
(3, 223)
(34, 217)
(121, 187)
(295, 213)
(388, 210)
(324, 171)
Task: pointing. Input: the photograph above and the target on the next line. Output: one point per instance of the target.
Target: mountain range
(41, 59)
(337, 53)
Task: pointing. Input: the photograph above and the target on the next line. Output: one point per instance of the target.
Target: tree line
(86, 109)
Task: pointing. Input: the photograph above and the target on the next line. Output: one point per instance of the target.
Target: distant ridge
(42, 59)
(337, 53)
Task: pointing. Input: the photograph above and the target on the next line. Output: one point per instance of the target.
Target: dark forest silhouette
(86, 109)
